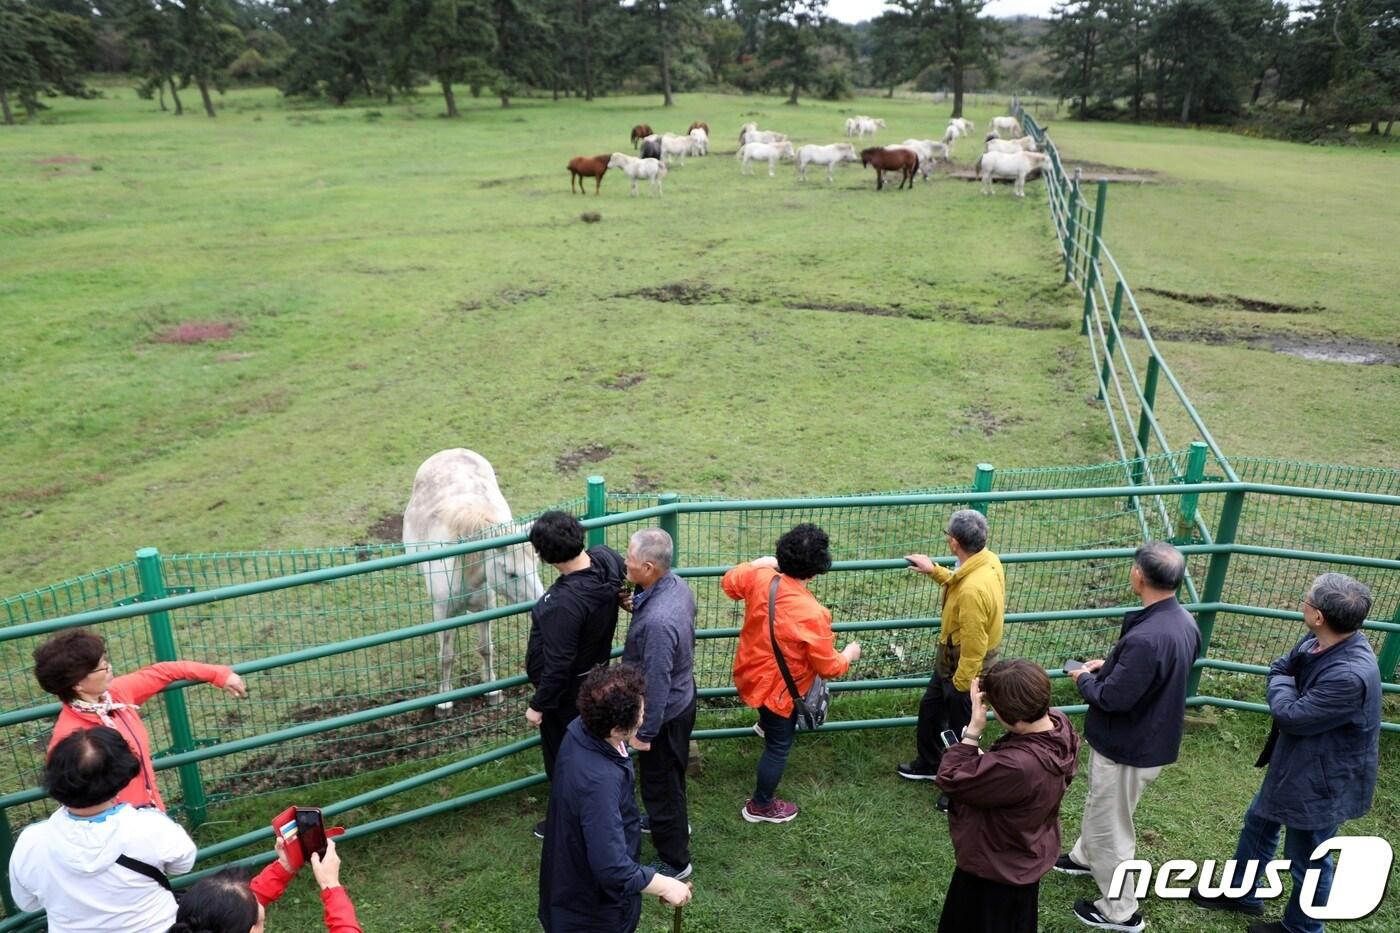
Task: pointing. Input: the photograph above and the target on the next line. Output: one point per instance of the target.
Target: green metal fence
(339, 646)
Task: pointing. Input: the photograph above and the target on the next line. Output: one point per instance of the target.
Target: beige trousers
(1107, 835)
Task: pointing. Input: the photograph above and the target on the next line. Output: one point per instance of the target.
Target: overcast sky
(853, 11)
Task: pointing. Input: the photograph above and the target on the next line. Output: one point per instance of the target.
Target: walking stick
(676, 921)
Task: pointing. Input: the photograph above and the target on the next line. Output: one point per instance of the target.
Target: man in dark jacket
(1323, 751)
(1137, 711)
(661, 644)
(571, 626)
(590, 877)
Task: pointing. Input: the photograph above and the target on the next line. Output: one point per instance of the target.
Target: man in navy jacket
(1137, 711)
(1323, 751)
(661, 644)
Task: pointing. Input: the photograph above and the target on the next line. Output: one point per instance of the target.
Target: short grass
(868, 853)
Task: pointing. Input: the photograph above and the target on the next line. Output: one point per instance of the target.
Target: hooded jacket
(974, 612)
(591, 878)
(1005, 815)
(134, 689)
(67, 866)
(571, 629)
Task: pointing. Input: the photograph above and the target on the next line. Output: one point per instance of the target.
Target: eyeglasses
(106, 668)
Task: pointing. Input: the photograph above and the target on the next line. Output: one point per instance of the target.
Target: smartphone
(1073, 664)
(949, 737)
(310, 832)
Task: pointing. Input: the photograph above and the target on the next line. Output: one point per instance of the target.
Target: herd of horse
(1013, 157)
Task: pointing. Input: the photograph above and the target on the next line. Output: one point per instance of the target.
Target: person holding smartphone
(1004, 817)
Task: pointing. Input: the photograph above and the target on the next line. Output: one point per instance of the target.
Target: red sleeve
(736, 583)
(140, 686)
(340, 913)
(271, 882)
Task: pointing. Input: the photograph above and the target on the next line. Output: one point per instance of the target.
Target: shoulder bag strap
(147, 869)
(777, 652)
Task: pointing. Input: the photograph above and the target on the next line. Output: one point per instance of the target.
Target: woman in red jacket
(1005, 805)
(227, 902)
(74, 667)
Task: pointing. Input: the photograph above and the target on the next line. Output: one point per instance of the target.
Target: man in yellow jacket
(974, 606)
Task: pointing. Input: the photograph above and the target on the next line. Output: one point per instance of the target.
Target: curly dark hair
(557, 537)
(221, 903)
(611, 698)
(65, 659)
(804, 552)
(89, 767)
(1019, 690)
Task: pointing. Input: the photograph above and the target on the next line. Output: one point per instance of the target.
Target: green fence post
(163, 640)
(1149, 395)
(1215, 578)
(982, 482)
(671, 524)
(597, 499)
(1071, 225)
(7, 846)
(1112, 336)
(1390, 652)
(1195, 472)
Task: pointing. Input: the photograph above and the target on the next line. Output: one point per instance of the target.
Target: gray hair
(655, 545)
(1162, 565)
(969, 528)
(1343, 601)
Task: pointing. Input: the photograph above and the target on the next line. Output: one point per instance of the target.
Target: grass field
(248, 332)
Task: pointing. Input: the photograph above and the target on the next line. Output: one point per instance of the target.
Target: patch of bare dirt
(643, 483)
(1234, 302)
(623, 381)
(388, 528)
(847, 307)
(188, 332)
(498, 182)
(1325, 349)
(36, 493)
(61, 160)
(1093, 171)
(588, 453)
(684, 293)
(232, 357)
(268, 403)
(590, 217)
(982, 418)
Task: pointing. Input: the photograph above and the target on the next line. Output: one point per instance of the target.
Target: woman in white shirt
(67, 865)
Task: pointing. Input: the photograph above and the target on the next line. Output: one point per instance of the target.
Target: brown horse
(904, 161)
(581, 167)
(640, 131)
(703, 126)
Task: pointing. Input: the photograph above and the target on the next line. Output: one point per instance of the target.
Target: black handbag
(811, 709)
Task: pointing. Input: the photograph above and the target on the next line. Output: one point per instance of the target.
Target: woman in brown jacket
(1005, 816)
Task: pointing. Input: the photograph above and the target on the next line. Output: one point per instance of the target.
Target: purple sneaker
(779, 811)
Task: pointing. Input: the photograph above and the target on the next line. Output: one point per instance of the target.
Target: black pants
(662, 778)
(943, 707)
(976, 905)
(552, 726)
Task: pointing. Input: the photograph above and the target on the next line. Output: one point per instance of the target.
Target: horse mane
(464, 517)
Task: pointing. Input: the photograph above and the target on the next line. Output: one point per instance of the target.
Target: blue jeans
(1259, 840)
(778, 733)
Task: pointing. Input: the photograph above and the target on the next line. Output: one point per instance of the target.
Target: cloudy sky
(853, 11)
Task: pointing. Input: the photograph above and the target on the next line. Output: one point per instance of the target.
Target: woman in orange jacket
(803, 628)
(74, 667)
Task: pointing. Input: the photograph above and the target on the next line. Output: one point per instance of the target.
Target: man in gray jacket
(661, 644)
(1323, 751)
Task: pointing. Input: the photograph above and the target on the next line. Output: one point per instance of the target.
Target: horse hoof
(495, 697)
(445, 707)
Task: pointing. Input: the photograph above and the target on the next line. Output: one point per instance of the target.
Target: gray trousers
(1107, 836)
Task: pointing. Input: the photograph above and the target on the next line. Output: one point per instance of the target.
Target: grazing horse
(581, 167)
(651, 147)
(898, 159)
(640, 131)
(698, 125)
(994, 143)
(455, 496)
(1009, 124)
(1013, 165)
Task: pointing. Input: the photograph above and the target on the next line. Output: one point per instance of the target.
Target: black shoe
(539, 830)
(1069, 866)
(1089, 915)
(1273, 927)
(916, 770)
(1221, 902)
(943, 804)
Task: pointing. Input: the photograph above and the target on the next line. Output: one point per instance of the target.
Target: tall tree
(41, 53)
(455, 38)
(524, 48)
(794, 30)
(954, 35)
(892, 50)
(210, 42)
(1079, 31)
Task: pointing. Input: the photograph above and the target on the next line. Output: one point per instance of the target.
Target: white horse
(829, 156)
(870, 125)
(455, 496)
(762, 136)
(761, 152)
(994, 143)
(966, 126)
(651, 169)
(929, 150)
(1009, 124)
(1008, 165)
(699, 142)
